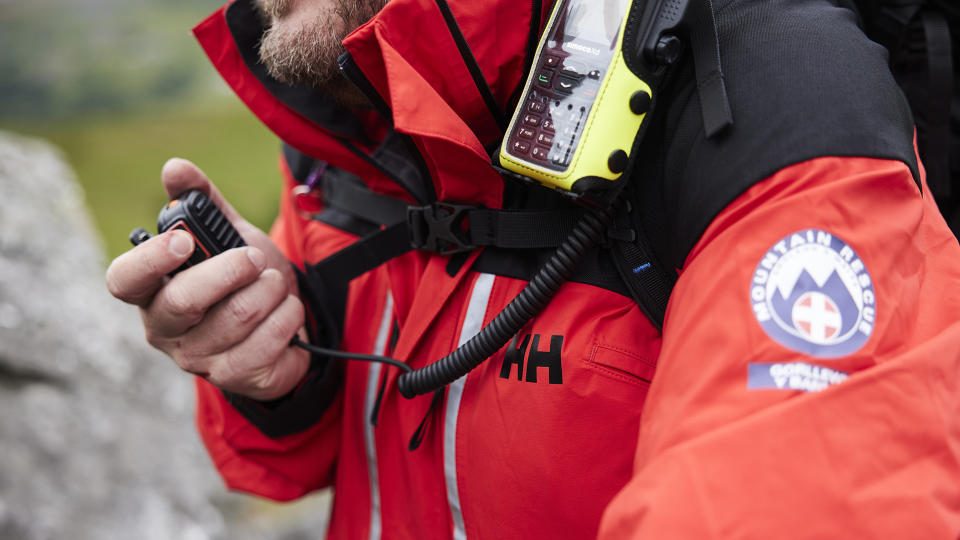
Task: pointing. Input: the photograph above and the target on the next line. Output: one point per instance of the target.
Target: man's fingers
(182, 302)
(136, 275)
(228, 318)
(230, 321)
(179, 175)
(264, 366)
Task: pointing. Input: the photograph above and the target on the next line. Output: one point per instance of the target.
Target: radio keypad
(565, 85)
(545, 78)
(521, 147)
(563, 91)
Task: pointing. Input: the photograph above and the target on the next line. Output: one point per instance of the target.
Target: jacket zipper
(351, 72)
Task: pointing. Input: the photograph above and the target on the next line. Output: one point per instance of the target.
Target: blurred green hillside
(120, 87)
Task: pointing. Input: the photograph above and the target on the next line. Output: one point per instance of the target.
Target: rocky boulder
(96, 435)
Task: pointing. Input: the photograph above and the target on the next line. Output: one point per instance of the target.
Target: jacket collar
(303, 119)
(410, 58)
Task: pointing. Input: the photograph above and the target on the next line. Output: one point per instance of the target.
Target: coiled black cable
(531, 300)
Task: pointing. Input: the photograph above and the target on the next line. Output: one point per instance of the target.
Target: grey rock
(96, 435)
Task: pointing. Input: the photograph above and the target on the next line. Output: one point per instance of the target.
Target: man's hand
(228, 319)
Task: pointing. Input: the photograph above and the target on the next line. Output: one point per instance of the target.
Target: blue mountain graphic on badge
(820, 314)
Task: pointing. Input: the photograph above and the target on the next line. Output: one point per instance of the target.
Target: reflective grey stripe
(373, 381)
(472, 323)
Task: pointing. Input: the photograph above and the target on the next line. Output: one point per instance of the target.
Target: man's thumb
(179, 175)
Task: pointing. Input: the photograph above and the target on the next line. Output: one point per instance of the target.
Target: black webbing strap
(363, 255)
(448, 228)
(329, 278)
(645, 277)
(936, 139)
(466, 227)
(346, 192)
(437, 228)
(519, 229)
(711, 88)
(325, 284)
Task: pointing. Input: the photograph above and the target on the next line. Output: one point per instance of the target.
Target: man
(806, 374)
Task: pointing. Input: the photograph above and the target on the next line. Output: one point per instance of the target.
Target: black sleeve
(298, 410)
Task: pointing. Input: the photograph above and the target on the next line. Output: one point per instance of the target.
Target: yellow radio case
(591, 127)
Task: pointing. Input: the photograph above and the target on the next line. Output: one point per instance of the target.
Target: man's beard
(306, 53)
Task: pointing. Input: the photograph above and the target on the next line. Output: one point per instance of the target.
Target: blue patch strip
(641, 268)
(792, 376)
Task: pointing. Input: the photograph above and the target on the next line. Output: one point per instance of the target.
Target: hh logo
(535, 360)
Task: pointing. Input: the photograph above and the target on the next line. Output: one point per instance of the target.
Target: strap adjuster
(440, 227)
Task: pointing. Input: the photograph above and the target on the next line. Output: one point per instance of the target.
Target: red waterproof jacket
(805, 382)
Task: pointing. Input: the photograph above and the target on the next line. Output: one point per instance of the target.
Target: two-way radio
(195, 213)
(581, 106)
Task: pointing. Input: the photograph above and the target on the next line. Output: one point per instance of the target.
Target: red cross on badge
(817, 317)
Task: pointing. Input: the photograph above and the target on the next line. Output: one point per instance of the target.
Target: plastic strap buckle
(440, 227)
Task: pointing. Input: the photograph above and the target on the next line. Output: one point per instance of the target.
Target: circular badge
(812, 293)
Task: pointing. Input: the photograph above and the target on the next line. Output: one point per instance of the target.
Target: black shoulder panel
(804, 82)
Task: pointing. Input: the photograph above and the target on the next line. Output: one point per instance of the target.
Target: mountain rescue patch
(812, 293)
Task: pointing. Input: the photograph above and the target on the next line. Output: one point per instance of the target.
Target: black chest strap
(443, 227)
(645, 277)
(389, 228)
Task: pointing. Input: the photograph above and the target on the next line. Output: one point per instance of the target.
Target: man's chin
(333, 85)
(302, 44)
(303, 55)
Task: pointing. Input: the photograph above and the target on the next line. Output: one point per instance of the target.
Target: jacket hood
(409, 54)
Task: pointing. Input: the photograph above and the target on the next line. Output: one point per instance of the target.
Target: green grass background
(121, 86)
(118, 158)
